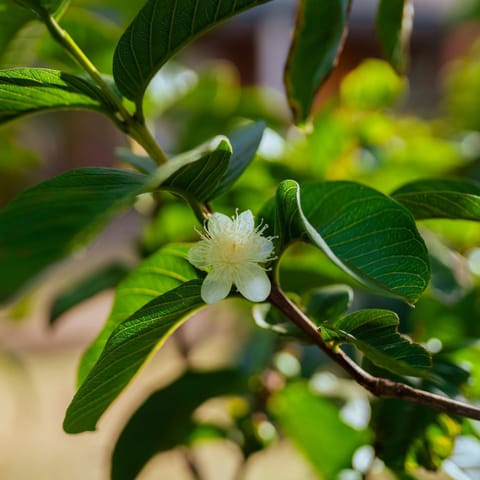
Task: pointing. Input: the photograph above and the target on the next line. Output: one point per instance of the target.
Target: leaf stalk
(379, 387)
(130, 124)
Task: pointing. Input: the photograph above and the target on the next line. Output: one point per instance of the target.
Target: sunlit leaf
(50, 220)
(394, 24)
(372, 85)
(153, 428)
(161, 29)
(126, 350)
(455, 199)
(318, 40)
(375, 333)
(107, 277)
(26, 91)
(159, 273)
(314, 426)
(365, 233)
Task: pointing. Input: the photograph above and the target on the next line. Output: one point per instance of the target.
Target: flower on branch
(230, 251)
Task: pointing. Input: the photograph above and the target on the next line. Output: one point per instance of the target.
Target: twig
(380, 387)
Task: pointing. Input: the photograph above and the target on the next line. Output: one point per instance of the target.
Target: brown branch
(380, 387)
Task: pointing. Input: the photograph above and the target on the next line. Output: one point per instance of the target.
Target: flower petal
(252, 282)
(245, 222)
(218, 223)
(198, 255)
(217, 285)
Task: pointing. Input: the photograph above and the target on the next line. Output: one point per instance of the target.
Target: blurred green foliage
(361, 134)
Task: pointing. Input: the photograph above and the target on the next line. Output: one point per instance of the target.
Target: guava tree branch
(380, 387)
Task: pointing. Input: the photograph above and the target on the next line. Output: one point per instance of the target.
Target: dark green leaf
(325, 303)
(314, 426)
(245, 141)
(48, 221)
(199, 178)
(318, 40)
(394, 24)
(108, 277)
(50, 6)
(161, 272)
(418, 436)
(328, 303)
(127, 349)
(26, 91)
(365, 233)
(164, 421)
(456, 199)
(375, 334)
(160, 29)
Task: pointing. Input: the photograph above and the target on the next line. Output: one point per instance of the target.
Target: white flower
(230, 251)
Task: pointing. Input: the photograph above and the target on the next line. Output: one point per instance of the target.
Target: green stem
(130, 124)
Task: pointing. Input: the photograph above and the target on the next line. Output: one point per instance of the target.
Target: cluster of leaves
(325, 229)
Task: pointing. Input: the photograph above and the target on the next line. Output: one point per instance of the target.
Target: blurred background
(369, 126)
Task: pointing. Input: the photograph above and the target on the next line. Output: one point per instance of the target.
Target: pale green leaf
(126, 350)
(26, 91)
(164, 270)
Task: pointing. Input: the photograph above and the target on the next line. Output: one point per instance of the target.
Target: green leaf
(318, 40)
(314, 426)
(199, 178)
(364, 232)
(26, 91)
(372, 85)
(13, 17)
(324, 304)
(107, 277)
(164, 270)
(142, 163)
(50, 6)
(394, 24)
(127, 349)
(456, 199)
(153, 428)
(245, 141)
(375, 334)
(48, 221)
(159, 30)
(418, 436)
(328, 303)
(268, 317)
